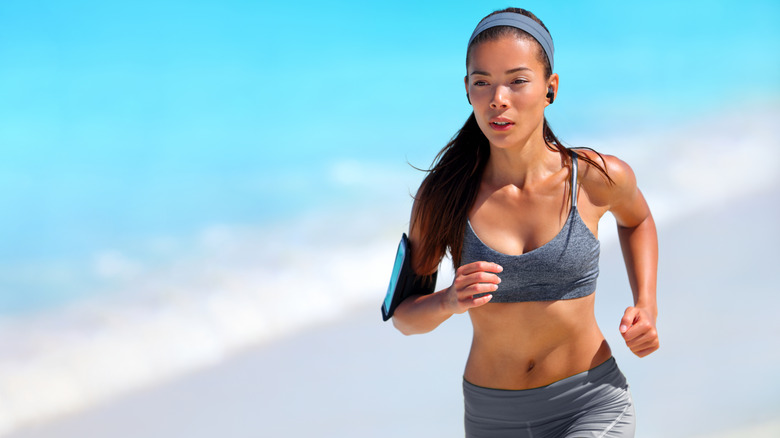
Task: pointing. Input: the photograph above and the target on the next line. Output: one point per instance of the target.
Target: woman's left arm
(639, 242)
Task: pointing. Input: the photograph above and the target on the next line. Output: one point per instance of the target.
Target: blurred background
(183, 181)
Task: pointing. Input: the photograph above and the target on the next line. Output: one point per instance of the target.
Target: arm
(639, 243)
(423, 313)
(640, 252)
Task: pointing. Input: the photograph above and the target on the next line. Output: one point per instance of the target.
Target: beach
(202, 209)
(715, 374)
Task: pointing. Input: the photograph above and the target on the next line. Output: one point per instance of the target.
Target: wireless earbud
(550, 94)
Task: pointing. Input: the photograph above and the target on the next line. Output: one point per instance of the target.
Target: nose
(499, 98)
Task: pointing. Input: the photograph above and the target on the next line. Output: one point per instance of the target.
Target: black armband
(404, 282)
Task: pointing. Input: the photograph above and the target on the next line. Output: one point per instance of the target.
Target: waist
(527, 345)
(534, 371)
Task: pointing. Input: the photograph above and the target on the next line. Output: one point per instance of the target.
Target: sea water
(179, 181)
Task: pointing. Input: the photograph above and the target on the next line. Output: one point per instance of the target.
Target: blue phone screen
(399, 262)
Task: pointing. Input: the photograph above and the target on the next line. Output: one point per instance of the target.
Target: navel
(531, 365)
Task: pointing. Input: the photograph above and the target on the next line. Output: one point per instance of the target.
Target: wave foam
(237, 287)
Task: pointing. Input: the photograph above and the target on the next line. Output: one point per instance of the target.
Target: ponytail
(446, 195)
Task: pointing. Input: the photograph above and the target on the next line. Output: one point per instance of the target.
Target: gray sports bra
(564, 268)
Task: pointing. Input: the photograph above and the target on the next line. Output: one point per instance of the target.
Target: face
(507, 88)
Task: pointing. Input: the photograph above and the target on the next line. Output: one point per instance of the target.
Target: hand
(638, 329)
(472, 279)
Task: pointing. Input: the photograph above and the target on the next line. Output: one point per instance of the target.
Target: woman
(518, 213)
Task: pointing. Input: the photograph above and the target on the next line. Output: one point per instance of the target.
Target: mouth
(501, 124)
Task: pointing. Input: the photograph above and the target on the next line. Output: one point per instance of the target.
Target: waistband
(569, 394)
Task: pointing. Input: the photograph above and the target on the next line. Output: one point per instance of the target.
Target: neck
(522, 164)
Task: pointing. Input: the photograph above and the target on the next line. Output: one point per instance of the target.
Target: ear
(466, 83)
(553, 82)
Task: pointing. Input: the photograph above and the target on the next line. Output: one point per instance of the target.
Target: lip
(501, 124)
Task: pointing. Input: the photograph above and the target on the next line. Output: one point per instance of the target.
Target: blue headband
(521, 22)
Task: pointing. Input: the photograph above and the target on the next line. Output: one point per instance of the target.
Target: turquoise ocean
(181, 180)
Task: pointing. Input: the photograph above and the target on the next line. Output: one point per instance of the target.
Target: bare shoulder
(618, 193)
(618, 184)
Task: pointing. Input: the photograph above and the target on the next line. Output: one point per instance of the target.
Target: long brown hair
(450, 189)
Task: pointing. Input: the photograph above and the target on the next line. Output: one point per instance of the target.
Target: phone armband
(404, 282)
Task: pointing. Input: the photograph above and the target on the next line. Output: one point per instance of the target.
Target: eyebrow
(508, 72)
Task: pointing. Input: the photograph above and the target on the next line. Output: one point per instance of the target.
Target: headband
(521, 22)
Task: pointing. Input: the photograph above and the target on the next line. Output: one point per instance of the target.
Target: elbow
(404, 328)
(407, 326)
(414, 318)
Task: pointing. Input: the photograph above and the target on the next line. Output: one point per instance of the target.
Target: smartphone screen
(399, 262)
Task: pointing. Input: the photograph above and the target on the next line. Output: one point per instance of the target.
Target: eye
(480, 82)
(519, 81)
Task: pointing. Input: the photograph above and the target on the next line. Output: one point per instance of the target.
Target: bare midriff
(532, 344)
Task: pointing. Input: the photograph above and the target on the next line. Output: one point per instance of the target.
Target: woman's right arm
(423, 313)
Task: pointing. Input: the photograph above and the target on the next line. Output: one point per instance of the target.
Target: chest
(515, 222)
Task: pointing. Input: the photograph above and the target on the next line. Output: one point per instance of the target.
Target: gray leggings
(594, 403)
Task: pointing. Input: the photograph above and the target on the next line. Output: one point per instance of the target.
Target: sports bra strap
(573, 179)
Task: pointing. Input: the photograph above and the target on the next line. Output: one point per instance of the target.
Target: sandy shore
(716, 374)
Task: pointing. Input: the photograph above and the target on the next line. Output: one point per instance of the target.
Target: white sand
(715, 375)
